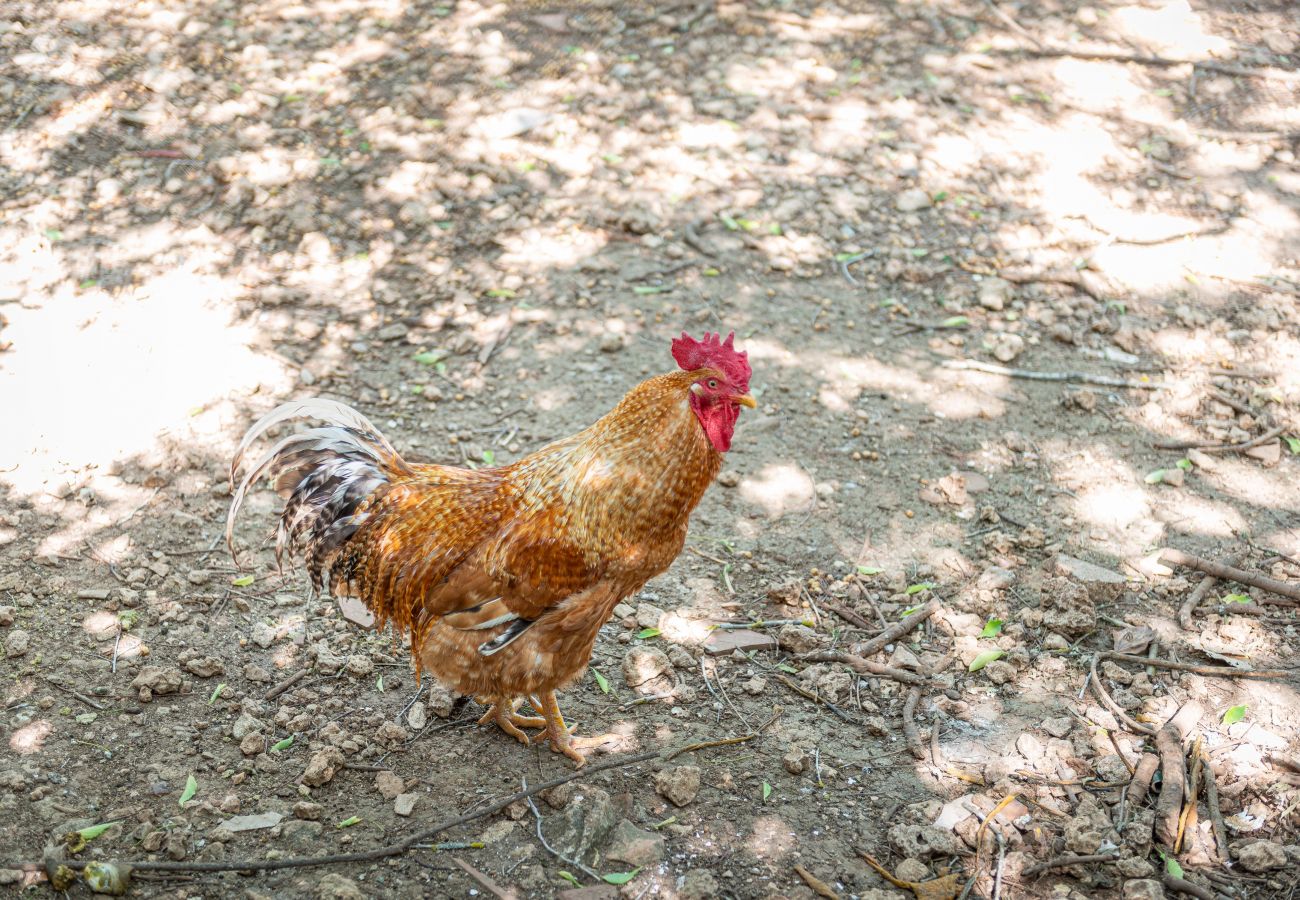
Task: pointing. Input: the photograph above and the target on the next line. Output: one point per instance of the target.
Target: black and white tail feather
(324, 474)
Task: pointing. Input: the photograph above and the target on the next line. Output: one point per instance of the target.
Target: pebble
(799, 639)
(301, 834)
(1143, 889)
(634, 846)
(306, 810)
(995, 293)
(404, 804)
(1006, 346)
(643, 664)
(678, 784)
(1261, 856)
(729, 478)
(157, 680)
(722, 643)
(17, 643)
(322, 767)
(263, 635)
(389, 784)
(912, 200)
(334, 886)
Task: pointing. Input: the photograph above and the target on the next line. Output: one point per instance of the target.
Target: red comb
(713, 353)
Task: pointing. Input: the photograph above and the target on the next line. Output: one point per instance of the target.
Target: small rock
(333, 886)
(245, 725)
(644, 664)
(389, 784)
(699, 884)
(157, 680)
(722, 643)
(912, 200)
(795, 760)
(441, 700)
(417, 717)
(255, 673)
(755, 686)
(263, 635)
(678, 784)
(1000, 671)
(611, 343)
(1104, 585)
(393, 332)
(1261, 856)
(648, 615)
(7, 614)
(1058, 727)
(585, 823)
(1280, 42)
(1134, 867)
(1174, 477)
(360, 665)
(252, 744)
(1006, 346)
(253, 822)
(16, 643)
(912, 869)
(922, 841)
(634, 846)
(1143, 889)
(205, 666)
(1269, 454)
(994, 293)
(730, 478)
(1088, 830)
(306, 810)
(404, 804)
(623, 611)
(799, 639)
(322, 767)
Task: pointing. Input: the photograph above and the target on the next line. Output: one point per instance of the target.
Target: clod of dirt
(1067, 608)
(263, 635)
(647, 670)
(203, 666)
(679, 784)
(795, 760)
(7, 614)
(634, 846)
(800, 639)
(305, 809)
(922, 841)
(404, 804)
(1000, 671)
(1261, 856)
(301, 835)
(1102, 584)
(334, 886)
(390, 735)
(245, 725)
(252, 744)
(417, 716)
(442, 700)
(1143, 889)
(360, 666)
(648, 615)
(322, 767)
(699, 884)
(912, 869)
(389, 784)
(1089, 828)
(585, 823)
(16, 643)
(1006, 346)
(995, 293)
(1134, 867)
(157, 680)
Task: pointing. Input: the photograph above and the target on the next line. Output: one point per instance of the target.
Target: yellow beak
(746, 400)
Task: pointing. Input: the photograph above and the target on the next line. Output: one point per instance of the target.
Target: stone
(922, 841)
(389, 784)
(301, 834)
(1089, 829)
(1000, 671)
(723, 642)
(1279, 42)
(912, 869)
(252, 822)
(1143, 889)
(1102, 584)
(1006, 346)
(912, 200)
(157, 680)
(648, 615)
(995, 293)
(1269, 454)
(404, 804)
(252, 744)
(333, 886)
(1261, 856)
(322, 767)
(246, 725)
(263, 635)
(305, 809)
(16, 643)
(205, 666)
(360, 665)
(795, 760)
(417, 716)
(799, 639)
(1134, 867)
(585, 823)
(699, 884)
(634, 846)
(644, 664)
(678, 784)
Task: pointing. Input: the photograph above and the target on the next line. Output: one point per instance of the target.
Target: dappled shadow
(482, 224)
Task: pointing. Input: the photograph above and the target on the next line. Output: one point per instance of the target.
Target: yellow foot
(561, 736)
(505, 717)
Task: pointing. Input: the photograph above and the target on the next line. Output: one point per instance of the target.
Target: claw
(505, 717)
(560, 735)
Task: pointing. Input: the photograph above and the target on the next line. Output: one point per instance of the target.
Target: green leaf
(601, 681)
(732, 224)
(992, 629)
(1185, 464)
(940, 197)
(1234, 714)
(379, 684)
(869, 570)
(1171, 864)
(1165, 92)
(907, 612)
(489, 457)
(348, 822)
(216, 693)
(94, 831)
(53, 234)
(621, 877)
(767, 791)
(430, 357)
(1155, 476)
(647, 633)
(786, 667)
(243, 581)
(282, 745)
(501, 292)
(570, 878)
(1235, 598)
(191, 788)
(923, 586)
(984, 659)
(651, 289)
(711, 272)
(919, 252)
(955, 322)
(440, 368)
(1293, 444)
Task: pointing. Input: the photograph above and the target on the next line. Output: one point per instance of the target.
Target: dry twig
(1212, 447)
(1213, 671)
(1173, 771)
(1061, 862)
(819, 887)
(1172, 557)
(1195, 597)
(974, 365)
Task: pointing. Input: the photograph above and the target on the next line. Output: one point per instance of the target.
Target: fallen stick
(1213, 671)
(1173, 771)
(816, 698)
(1183, 886)
(1211, 447)
(973, 365)
(898, 629)
(1061, 862)
(1174, 557)
(1194, 599)
(818, 887)
(486, 882)
(1102, 54)
(1216, 814)
(1104, 696)
(864, 666)
(285, 685)
(850, 616)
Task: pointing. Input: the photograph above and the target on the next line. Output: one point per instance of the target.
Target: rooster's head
(722, 386)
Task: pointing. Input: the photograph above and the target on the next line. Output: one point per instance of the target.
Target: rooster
(504, 575)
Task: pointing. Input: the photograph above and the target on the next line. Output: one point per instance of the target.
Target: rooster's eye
(713, 383)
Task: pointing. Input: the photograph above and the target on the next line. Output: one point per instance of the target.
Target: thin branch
(1212, 447)
(973, 365)
(1216, 671)
(1061, 862)
(576, 863)
(1194, 599)
(1229, 573)
(898, 629)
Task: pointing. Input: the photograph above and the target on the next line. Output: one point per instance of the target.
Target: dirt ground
(481, 224)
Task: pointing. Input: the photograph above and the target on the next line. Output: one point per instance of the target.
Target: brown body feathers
(504, 575)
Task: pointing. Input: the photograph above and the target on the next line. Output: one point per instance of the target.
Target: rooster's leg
(560, 736)
(503, 714)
